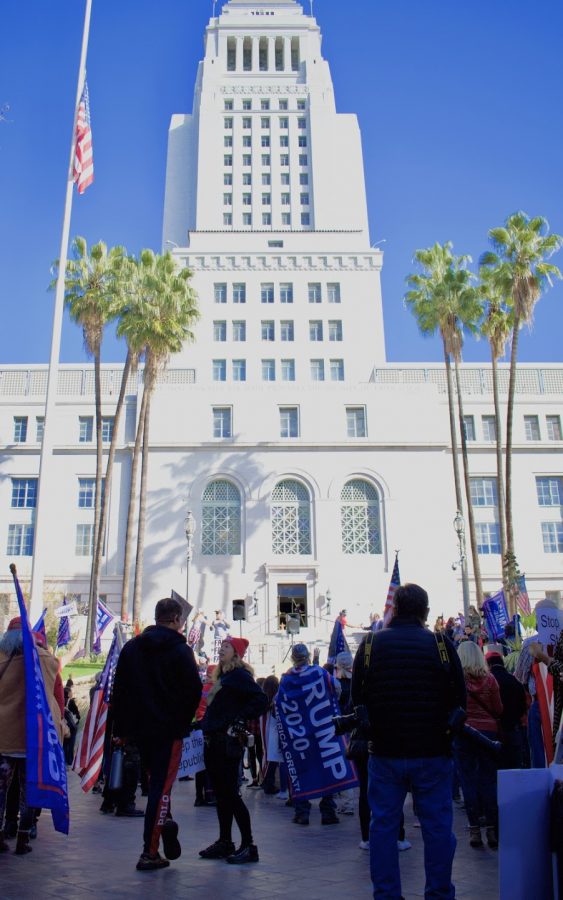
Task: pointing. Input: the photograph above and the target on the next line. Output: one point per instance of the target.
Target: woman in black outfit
(234, 698)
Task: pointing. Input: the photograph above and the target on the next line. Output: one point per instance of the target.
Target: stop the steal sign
(549, 622)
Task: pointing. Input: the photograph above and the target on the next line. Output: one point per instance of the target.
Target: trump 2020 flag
(338, 643)
(103, 618)
(46, 785)
(63, 635)
(496, 615)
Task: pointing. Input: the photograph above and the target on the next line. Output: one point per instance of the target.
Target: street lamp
(189, 528)
(328, 598)
(459, 528)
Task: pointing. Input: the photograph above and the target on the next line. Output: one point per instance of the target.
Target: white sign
(68, 609)
(549, 622)
(192, 755)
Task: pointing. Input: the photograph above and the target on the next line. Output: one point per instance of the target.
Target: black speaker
(292, 624)
(239, 610)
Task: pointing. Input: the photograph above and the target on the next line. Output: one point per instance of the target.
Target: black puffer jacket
(239, 698)
(157, 686)
(408, 692)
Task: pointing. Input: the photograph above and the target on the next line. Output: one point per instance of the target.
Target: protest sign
(192, 755)
(314, 755)
(549, 622)
(67, 609)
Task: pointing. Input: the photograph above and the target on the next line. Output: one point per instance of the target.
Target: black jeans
(223, 771)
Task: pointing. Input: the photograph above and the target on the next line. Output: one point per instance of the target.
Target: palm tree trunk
(500, 473)
(98, 551)
(510, 552)
(138, 586)
(93, 597)
(131, 510)
(453, 434)
(470, 515)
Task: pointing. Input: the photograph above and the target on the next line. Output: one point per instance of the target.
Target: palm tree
(90, 296)
(443, 300)
(521, 248)
(496, 328)
(160, 323)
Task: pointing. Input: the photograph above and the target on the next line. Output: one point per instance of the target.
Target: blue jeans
(477, 769)
(535, 739)
(430, 781)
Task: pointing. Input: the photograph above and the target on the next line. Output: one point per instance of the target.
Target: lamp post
(328, 598)
(189, 527)
(459, 528)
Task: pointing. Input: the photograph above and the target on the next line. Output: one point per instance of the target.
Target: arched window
(291, 519)
(220, 519)
(360, 518)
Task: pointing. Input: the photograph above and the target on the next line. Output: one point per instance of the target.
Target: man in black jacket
(409, 683)
(155, 695)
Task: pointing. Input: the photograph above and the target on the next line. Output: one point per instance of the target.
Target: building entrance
(292, 601)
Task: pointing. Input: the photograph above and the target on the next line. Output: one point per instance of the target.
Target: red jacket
(484, 705)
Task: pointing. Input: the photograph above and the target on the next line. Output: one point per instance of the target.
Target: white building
(305, 459)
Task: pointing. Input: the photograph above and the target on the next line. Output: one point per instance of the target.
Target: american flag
(89, 755)
(393, 585)
(522, 599)
(83, 154)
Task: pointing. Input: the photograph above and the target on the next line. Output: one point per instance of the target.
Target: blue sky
(459, 105)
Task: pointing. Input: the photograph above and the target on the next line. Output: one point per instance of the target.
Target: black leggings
(224, 774)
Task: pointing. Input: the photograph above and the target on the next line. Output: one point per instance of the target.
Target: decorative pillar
(255, 54)
(239, 61)
(271, 54)
(287, 54)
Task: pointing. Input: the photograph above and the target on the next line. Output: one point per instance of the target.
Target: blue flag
(63, 635)
(338, 643)
(40, 626)
(103, 618)
(315, 757)
(46, 785)
(496, 615)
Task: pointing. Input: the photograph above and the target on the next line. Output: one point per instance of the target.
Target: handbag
(357, 749)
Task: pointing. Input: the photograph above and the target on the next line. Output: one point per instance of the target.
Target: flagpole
(42, 508)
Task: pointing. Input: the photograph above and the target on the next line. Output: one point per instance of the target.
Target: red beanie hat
(15, 624)
(240, 645)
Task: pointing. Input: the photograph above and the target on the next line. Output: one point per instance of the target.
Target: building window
(291, 519)
(84, 540)
(239, 293)
(266, 199)
(356, 421)
(227, 219)
(265, 140)
(246, 122)
(20, 540)
(222, 422)
(553, 428)
(303, 178)
(286, 218)
(284, 159)
(335, 330)
(549, 490)
(285, 199)
(227, 178)
(228, 161)
(265, 159)
(228, 105)
(239, 370)
(266, 178)
(360, 518)
(488, 538)
(264, 105)
(268, 370)
(315, 330)
(86, 493)
(284, 178)
(552, 534)
(469, 428)
(108, 423)
(227, 199)
(219, 331)
(247, 218)
(220, 519)
(301, 104)
(333, 292)
(532, 426)
(288, 370)
(303, 159)
(314, 293)
(267, 293)
(227, 123)
(227, 141)
(483, 492)
(284, 122)
(247, 105)
(286, 292)
(302, 140)
(284, 140)
(220, 293)
(85, 429)
(266, 218)
(20, 429)
(24, 493)
(247, 159)
(317, 370)
(247, 140)
(304, 198)
(283, 105)
(39, 428)
(219, 370)
(337, 370)
(239, 330)
(489, 429)
(305, 219)
(289, 422)
(267, 328)
(286, 330)
(265, 122)
(301, 122)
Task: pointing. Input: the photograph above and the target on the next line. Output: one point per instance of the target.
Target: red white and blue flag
(45, 771)
(83, 153)
(103, 617)
(393, 585)
(522, 599)
(90, 752)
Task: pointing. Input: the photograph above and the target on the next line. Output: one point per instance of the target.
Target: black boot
(22, 843)
(248, 854)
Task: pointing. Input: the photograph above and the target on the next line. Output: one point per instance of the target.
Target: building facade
(305, 459)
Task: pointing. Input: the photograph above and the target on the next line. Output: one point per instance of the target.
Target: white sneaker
(364, 845)
(282, 795)
(404, 845)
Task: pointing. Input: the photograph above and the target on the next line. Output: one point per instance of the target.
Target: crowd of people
(442, 742)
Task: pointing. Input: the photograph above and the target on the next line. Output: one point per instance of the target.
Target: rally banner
(103, 617)
(46, 785)
(315, 757)
(496, 615)
(191, 761)
(67, 609)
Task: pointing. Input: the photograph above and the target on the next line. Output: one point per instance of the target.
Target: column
(271, 54)
(239, 66)
(255, 50)
(287, 54)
